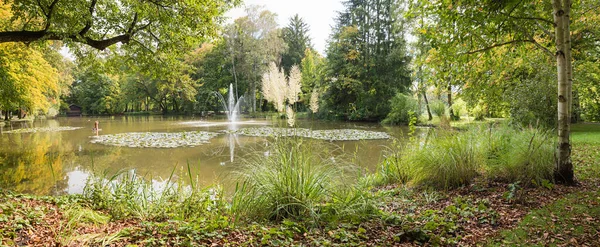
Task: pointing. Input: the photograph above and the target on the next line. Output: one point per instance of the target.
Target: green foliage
(394, 168)
(478, 112)
(290, 182)
(438, 108)
(142, 27)
(312, 68)
(297, 39)
(365, 73)
(27, 81)
(524, 154)
(533, 100)
(126, 195)
(587, 89)
(97, 93)
(402, 106)
(446, 160)
(459, 107)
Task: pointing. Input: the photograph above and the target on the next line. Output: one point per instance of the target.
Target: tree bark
(430, 117)
(452, 117)
(30, 36)
(564, 166)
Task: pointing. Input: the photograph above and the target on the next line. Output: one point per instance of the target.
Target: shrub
(478, 112)
(401, 106)
(438, 108)
(459, 107)
(519, 155)
(533, 100)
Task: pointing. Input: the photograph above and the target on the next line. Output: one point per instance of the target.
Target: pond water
(49, 161)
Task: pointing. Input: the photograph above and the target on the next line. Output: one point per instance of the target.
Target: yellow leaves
(352, 55)
(32, 82)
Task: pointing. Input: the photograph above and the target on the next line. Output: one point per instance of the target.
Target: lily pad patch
(43, 129)
(155, 139)
(330, 135)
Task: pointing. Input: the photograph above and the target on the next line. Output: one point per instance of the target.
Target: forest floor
(482, 214)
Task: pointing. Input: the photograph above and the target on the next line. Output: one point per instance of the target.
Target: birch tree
(483, 26)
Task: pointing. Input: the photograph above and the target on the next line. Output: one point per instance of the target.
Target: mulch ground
(48, 230)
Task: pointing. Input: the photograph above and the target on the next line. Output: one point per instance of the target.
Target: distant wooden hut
(74, 111)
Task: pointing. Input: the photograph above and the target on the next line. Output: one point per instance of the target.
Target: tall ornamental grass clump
(128, 195)
(394, 168)
(291, 181)
(523, 155)
(447, 160)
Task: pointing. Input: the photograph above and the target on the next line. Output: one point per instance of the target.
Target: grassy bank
(472, 187)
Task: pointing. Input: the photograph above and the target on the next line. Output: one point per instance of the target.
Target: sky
(318, 14)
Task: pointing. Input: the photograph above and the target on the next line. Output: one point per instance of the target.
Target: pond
(56, 156)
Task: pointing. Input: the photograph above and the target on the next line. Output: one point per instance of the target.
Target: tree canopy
(143, 25)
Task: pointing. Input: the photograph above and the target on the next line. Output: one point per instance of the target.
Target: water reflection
(34, 163)
(47, 163)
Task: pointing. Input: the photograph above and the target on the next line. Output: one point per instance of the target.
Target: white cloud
(318, 14)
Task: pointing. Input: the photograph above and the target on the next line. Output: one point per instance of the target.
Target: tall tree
(254, 41)
(482, 26)
(27, 81)
(297, 39)
(367, 60)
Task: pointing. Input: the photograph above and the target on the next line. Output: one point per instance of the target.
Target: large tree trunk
(564, 166)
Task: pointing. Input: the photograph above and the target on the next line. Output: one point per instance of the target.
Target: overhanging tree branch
(30, 36)
(501, 44)
(89, 23)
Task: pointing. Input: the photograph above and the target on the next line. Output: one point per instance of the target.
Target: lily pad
(44, 129)
(330, 135)
(155, 139)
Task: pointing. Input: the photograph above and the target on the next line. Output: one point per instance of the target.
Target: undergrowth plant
(523, 155)
(448, 160)
(294, 181)
(128, 195)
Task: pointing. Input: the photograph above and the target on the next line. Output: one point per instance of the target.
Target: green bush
(478, 112)
(401, 106)
(519, 155)
(459, 107)
(438, 108)
(533, 100)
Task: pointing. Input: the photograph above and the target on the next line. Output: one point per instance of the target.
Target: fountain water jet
(231, 106)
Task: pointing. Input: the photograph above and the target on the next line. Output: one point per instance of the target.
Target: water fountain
(232, 108)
